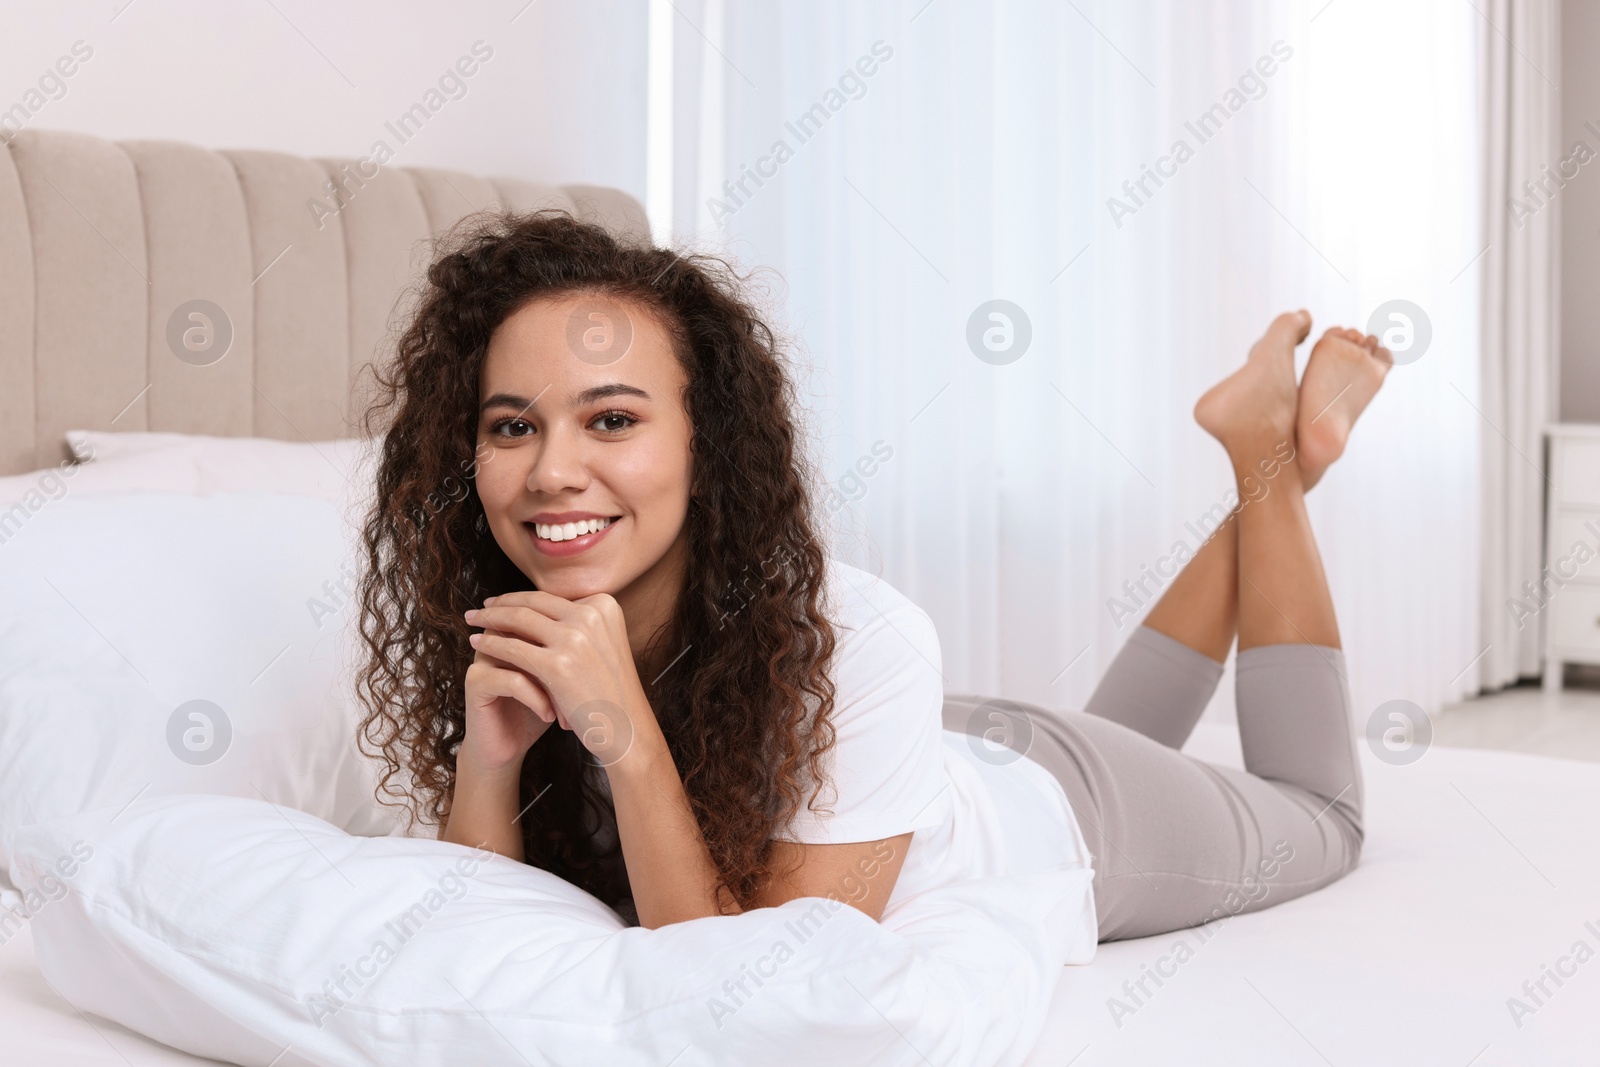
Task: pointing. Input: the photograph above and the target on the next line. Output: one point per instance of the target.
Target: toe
(1343, 341)
(1289, 329)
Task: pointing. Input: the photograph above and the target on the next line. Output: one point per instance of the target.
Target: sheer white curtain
(900, 165)
(1521, 318)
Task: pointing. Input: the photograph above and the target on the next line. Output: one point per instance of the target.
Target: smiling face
(572, 437)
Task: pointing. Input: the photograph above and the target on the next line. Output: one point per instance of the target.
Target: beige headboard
(105, 245)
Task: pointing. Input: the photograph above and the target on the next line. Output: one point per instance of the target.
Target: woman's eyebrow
(506, 400)
(588, 396)
(604, 392)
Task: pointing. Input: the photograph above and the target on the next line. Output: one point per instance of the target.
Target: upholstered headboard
(126, 265)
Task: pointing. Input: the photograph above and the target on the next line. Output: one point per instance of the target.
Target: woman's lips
(568, 548)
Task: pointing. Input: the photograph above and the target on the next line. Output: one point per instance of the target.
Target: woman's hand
(577, 651)
(575, 655)
(507, 711)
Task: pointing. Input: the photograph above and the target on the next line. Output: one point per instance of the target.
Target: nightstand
(1572, 549)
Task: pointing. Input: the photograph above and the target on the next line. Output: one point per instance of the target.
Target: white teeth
(566, 531)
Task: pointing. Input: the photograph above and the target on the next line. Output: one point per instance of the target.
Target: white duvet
(253, 933)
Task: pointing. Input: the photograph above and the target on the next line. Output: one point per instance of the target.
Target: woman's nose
(558, 464)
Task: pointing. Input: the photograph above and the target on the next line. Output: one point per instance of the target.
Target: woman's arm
(573, 658)
(669, 865)
(506, 712)
(483, 809)
(578, 653)
(862, 873)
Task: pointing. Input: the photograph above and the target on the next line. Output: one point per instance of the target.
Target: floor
(1526, 719)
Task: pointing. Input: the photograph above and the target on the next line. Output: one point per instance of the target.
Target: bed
(1410, 960)
(1465, 937)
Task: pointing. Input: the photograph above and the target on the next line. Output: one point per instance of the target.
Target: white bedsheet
(1479, 870)
(1409, 960)
(40, 1029)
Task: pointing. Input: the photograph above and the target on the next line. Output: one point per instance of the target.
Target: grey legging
(1178, 841)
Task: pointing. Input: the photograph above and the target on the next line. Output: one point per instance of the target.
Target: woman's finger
(514, 651)
(484, 657)
(556, 607)
(522, 621)
(512, 683)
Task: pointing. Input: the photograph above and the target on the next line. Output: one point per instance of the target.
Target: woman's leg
(1201, 607)
(1155, 686)
(1162, 679)
(1177, 841)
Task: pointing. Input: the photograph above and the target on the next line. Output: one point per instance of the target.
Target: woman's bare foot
(1252, 411)
(1341, 378)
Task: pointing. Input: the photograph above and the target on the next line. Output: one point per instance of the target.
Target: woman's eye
(500, 427)
(605, 421)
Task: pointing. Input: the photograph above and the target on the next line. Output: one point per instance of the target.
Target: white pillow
(225, 928)
(24, 495)
(106, 446)
(338, 470)
(119, 609)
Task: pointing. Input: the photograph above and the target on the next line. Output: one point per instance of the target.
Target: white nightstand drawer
(1575, 624)
(1571, 619)
(1579, 469)
(1577, 537)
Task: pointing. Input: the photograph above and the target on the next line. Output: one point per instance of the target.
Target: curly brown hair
(746, 709)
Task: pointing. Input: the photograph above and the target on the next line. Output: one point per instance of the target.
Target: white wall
(561, 98)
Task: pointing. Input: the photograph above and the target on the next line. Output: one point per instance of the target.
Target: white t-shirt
(895, 768)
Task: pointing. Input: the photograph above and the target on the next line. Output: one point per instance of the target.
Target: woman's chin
(566, 583)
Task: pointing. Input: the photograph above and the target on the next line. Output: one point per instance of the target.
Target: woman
(679, 704)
